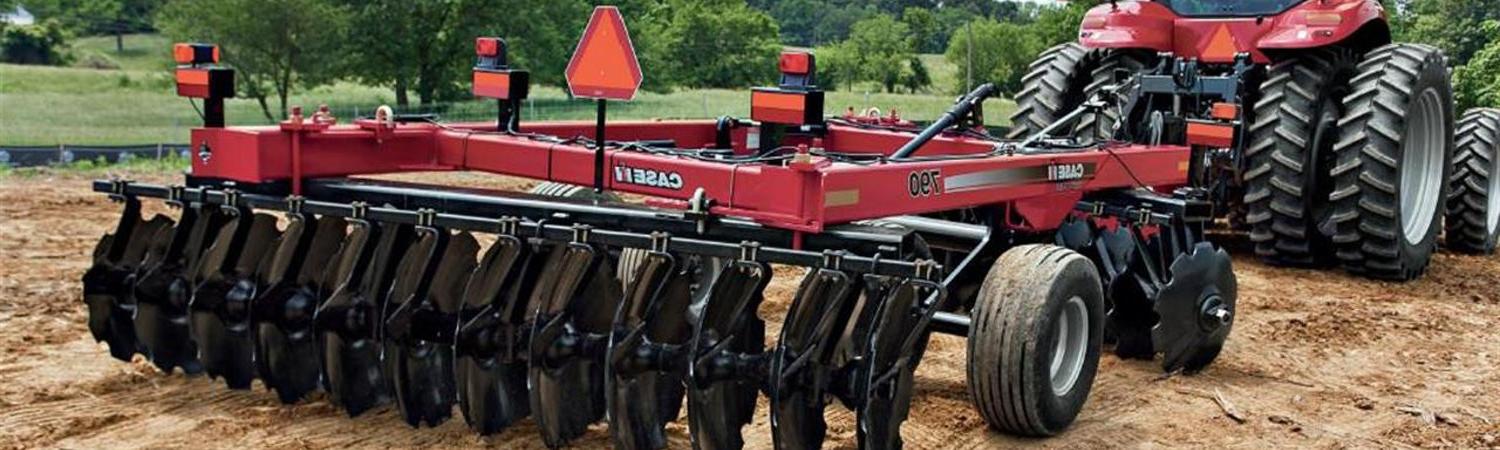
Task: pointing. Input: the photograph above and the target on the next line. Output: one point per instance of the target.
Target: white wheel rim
(1072, 346)
(1492, 209)
(1422, 167)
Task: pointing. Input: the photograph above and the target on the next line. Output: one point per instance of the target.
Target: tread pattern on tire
(1368, 234)
(1051, 88)
(1468, 198)
(1280, 138)
(1109, 67)
(999, 373)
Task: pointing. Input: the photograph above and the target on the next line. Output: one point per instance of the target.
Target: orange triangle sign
(1221, 47)
(604, 65)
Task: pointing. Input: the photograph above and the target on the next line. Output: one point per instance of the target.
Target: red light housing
(796, 63)
(488, 47)
(195, 53)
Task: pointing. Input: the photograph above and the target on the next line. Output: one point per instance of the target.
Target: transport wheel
(1034, 344)
(631, 259)
(1474, 199)
(1290, 156)
(1053, 86)
(1394, 158)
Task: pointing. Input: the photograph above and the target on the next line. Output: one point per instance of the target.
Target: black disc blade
(897, 339)
(644, 374)
(489, 372)
(108, 282)
(419, 334)
(721, 395)
(803, 359)
(219, 310)
(1196, 308)
(348, 323)
(568, 343)
(164, 289)
(286, 351)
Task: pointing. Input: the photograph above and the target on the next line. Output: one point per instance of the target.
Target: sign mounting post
(604, 67)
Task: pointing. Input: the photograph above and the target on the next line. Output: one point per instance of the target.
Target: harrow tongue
(419, 333)
(286, 352)
(349, 323)
(727, 355)
(574, 301)
(108, 282)
(219, 310)
(647, 352)
(164, 289)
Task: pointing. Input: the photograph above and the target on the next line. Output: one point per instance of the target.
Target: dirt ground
(1317, 359)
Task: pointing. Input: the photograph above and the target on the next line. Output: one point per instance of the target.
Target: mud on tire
(1290, 154)
(1474, 189)
(1034, 345)
(1395, 146)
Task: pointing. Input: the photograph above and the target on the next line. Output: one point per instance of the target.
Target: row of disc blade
(1168, 291)
(374, 313)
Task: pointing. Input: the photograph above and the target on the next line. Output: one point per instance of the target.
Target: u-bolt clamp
(117, 186)
(175, 194)
(231, 197)
(426, 217)
(749, 251)
(581, 233)
(294, 204)
(660, 240)
(925, 269)
(833, 259)
(358, 210)
(510, 226)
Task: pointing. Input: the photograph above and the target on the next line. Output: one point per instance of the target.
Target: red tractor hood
(1153, 26)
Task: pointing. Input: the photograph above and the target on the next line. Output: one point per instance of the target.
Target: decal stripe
(1008, 177)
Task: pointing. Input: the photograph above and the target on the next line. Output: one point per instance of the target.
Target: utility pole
(969, 72)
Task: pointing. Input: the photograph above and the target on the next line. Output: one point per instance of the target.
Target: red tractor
(1344, 151)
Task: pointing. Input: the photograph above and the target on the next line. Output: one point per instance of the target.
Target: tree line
(422, 50)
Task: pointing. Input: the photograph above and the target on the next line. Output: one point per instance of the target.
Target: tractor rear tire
(1110, 67)
(1034, 345)
(1394, 155)
(1053, 87)
(1474, 196)
(1290, 155)
(1064, 77)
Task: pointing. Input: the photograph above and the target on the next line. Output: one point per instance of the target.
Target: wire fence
(32, 156)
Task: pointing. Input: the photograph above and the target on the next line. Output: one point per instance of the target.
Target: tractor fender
(1320, 24)
(1140, 25)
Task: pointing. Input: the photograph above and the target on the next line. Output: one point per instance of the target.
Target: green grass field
(135, 103)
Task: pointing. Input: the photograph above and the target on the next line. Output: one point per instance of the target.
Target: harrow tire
(1052, 87)
(1028, 299)
(1398, 122)
(1474, 196)
(1290, 154)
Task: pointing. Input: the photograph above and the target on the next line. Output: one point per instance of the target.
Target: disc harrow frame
(586, 308)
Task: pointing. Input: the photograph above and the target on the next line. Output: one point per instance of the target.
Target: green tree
(1456, 26)
(1478, 82)
(881, 47)
(925, 33)
(427, 47)
(276, 45)
(1001, 51)
(99, 17)
(716, 44)
(41, 43)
